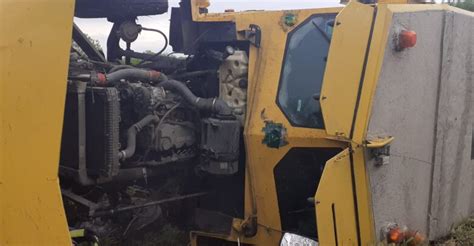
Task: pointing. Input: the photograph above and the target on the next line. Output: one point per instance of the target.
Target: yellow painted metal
(349, 56)
(345, 67)
(363, 197)
(263, 86)
(373, 68)
(362, 184)
(202, 3)
(34, 53)
(339, 100)
(379, 142)
(393, 1)
(197, 16)
(335, 211)
(264, 75)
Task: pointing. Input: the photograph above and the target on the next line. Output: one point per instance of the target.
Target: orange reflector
(407, 39)
(395, 235)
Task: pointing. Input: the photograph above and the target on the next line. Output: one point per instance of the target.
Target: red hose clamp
(101, 79)
(154, 75)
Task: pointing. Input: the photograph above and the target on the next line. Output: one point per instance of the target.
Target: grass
(461, 235)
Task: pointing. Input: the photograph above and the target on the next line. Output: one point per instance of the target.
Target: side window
(303, 71)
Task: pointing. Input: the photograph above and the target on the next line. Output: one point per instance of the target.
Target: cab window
(303, 69)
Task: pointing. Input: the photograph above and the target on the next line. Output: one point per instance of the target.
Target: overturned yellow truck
(334, 126)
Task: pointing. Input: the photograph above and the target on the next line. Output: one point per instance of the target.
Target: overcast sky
(99, 28)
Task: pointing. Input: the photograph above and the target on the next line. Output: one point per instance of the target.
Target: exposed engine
(140, 136)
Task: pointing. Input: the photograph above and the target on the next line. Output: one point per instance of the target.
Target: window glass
(303, 71)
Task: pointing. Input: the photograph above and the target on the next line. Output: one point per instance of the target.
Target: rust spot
(262, 115)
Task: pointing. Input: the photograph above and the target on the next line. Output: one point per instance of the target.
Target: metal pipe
(127, 208)
(80, 77)
(132, 136)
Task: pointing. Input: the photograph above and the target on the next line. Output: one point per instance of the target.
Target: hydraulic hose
(132, 136)
(213, 105)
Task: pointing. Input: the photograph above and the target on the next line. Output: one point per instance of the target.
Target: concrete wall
(424, 99)
(453, 170)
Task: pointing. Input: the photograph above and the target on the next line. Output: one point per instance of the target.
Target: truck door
(342, 199)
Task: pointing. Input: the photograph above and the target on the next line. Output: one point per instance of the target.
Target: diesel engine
(150, 134)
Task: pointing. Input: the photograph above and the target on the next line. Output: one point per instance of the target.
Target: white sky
(99, 28)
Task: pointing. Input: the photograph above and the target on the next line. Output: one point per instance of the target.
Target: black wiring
(159, 52)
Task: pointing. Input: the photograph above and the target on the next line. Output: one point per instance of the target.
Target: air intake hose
(213, 105)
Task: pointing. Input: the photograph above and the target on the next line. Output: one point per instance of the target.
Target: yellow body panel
(265, 64)
(373, 68)
(334, 211)
(345, 67)
(393, 1)
(363, 198)
(264, 75)
(34, 53)
(369, 80)
(341, 95)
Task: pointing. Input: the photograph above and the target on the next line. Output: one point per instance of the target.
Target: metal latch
(253, 34)
(380, 149)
